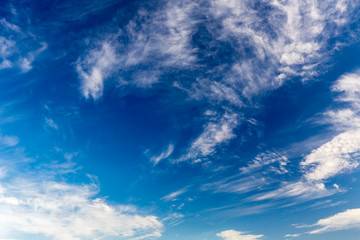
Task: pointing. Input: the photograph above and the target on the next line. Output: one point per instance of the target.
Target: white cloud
(289, 39)
(216, 132)
(155, 40)
(174, 219)
(67, 211)
(297, 26)
(172, 196)
(265, 159)
(343, 119)
(215, 91)
(236, 185)
(333, 157)
(349, 219)
(348, 85)
(293, 235)
(25, 63)
(13, 51)
(10, 26)
(338, 155)
(303, 190)
(341, 153)
(237, 235)
(7, 47)
(164, 34)
(9, 141)
(98, 65)
(50, 123)
(340, 221)
(163, 155)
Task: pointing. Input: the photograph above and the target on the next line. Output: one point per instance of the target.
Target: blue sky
(206, 120)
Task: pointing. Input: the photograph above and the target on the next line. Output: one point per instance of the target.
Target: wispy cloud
(236, 184)
(238, 235)
(154, 40)
(13, 52)
(336, 156)
(98, 65)
(293, 235)
(303, 190)
(163, 155)
(291, 40)
(265, 159)
(275, 46)
(8, 141)
(50, 123)
(257, 175)
(174, 219)
(216, 132)
(172, 196)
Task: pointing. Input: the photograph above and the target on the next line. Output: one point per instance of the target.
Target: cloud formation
(98, 65)
(8, 141)
(218, 131)
(163, 155)
(172, 196)
(291, 39)
(349, 219)
(340, 221)
(18, 48)
(237, 235)
(68, 211)
(337, 156)
(333, 157)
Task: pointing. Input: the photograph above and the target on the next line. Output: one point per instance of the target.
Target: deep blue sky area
(174, 120)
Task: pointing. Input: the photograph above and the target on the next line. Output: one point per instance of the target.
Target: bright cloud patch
(237, 235)
(333, 157)
(341, 153)
(340, 221)
(66, 211)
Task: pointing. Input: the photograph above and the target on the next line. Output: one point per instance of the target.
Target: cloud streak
(172, 196)
(163, 155)
(237, 235)
(216, 132)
